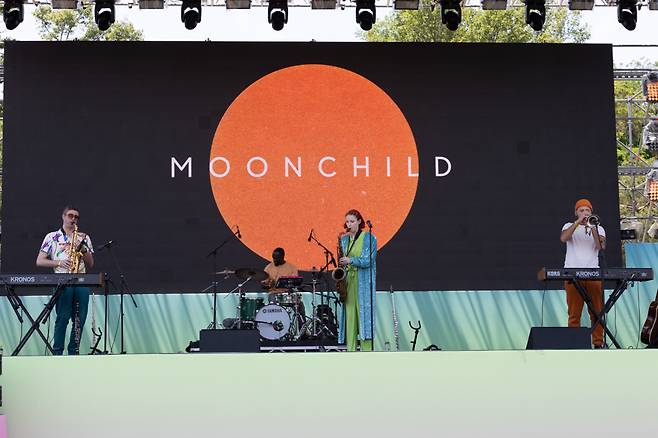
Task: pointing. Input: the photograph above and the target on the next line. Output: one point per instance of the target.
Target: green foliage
(65, 24)
(424, 25)
(630, 113)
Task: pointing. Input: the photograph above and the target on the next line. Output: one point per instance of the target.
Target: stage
(503, 393)
(190, 191)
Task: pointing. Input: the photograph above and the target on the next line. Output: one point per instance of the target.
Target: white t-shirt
(56, 245)
(581, 249)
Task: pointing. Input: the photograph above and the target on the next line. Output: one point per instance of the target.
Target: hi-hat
(255, 274)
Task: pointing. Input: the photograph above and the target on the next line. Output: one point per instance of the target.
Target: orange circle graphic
(300, 147)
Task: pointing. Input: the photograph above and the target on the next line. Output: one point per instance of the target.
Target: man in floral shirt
(55, 253)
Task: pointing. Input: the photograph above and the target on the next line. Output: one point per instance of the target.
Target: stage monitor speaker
(559, 338)
(229, 341)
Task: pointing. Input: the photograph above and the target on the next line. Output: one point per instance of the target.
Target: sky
(305, 24)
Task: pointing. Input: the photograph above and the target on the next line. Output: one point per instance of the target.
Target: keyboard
(51, 280)
(630, 274)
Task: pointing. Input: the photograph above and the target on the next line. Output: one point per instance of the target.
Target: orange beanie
(583, 203)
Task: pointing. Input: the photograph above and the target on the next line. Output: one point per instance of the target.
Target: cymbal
(224, 272)
(255, 274)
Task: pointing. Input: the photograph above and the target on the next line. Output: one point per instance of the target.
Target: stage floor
(382, 394)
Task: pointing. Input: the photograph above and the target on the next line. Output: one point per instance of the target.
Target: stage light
(627, 13)
(650, 136)
(151, 4)
(535, 14)
(104, 14)
(494, 5)
(238, 4)
(581, 5)
(65, 4)
(650, 87)
(407, 4)
(323, 4)
(12, 13)
(651, 184)
(451, 14)
(631, 229)
(277, 13)
(366, 14)
(190, 13)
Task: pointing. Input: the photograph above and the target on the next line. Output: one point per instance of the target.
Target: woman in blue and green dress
(359, 250)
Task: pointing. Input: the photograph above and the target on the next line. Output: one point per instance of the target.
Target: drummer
(278, 268)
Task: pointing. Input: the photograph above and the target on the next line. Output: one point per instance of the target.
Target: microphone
(237, 229)
(105, 245)
(310, 235)
(369, 224)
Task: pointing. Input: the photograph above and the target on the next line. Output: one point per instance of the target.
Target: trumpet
(593, 221)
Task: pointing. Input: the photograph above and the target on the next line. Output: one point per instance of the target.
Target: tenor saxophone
(339, 275)
(74, 254)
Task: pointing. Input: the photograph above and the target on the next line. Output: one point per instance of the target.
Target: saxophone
(339, 275)
(74, 255)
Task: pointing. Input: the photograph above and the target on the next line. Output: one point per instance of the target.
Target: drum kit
(284, 317)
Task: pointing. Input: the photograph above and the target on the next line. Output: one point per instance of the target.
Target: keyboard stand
(16, 303)
(612, 299)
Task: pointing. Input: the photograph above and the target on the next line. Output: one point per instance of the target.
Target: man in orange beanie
(584, 241)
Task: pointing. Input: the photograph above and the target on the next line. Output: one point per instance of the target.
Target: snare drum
(249, 307)
(272, 322)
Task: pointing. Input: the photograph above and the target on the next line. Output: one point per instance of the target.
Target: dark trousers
(64, 309)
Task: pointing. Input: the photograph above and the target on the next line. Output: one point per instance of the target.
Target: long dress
(355, 319)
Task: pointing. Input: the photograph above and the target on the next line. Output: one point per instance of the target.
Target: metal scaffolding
(633, 111)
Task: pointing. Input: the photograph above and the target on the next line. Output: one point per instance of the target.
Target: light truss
(350, 3)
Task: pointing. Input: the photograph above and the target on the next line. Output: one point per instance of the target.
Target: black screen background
(529, 129)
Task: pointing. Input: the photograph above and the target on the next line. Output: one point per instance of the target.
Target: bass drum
(272, 322)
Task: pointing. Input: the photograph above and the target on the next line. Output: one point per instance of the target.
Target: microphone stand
(123, 289)
(213, 253)
(106, 278)
(372, 301)
(602, 267)
(328, 260)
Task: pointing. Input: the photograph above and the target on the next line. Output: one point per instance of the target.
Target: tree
(508, 26)
(66, 24)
